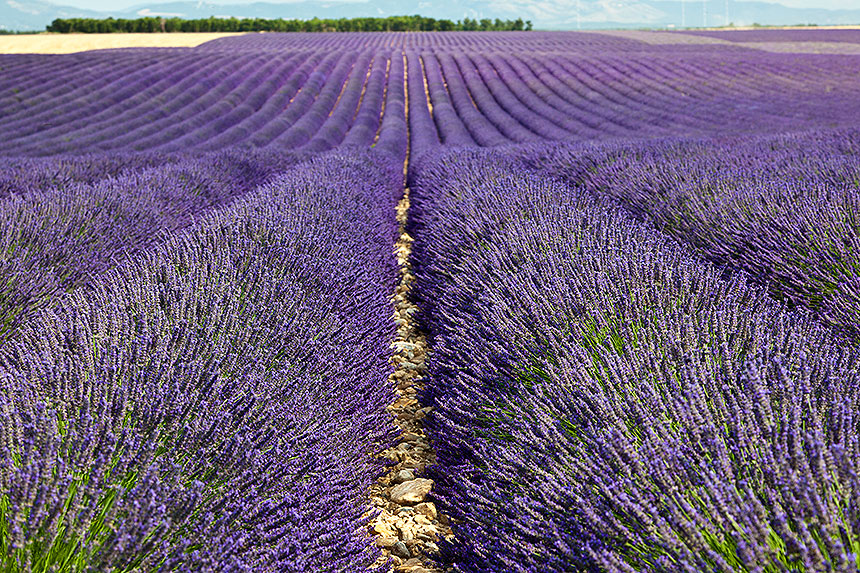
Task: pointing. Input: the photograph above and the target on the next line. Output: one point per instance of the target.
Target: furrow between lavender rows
(405, 522)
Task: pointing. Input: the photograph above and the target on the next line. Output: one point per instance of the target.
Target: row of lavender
(604, 400)
(785, 209)
(214, 402)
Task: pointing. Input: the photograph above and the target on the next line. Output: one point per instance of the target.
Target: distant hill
(545, 14)
(30, 15)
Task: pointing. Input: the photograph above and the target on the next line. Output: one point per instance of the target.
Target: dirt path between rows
(408, 525)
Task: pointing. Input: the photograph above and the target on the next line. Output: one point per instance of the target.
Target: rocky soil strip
(409, 525)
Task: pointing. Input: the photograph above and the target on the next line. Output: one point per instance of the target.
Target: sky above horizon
(108, 5)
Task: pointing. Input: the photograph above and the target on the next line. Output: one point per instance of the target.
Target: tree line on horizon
(389, 24)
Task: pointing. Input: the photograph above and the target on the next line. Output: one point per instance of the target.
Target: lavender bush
(56, 240)
(605, 401)
(215, 403)
(781, 208)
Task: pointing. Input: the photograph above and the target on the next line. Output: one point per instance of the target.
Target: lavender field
(423, 302)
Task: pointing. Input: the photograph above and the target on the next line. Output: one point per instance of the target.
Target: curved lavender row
(214, 101)
(452, 130)
(346, 107)
(300, 102)
(363, 130)
(18, 69)
(266, 113)
(300, 133)
(516, 102)
(604, 401)
(52, 90)
(229, 109)
(213, 405)
(284, 108)
(588, 101)
(591, 87)
(91, 106)
(512, 128)
(393, 135)
(599, 76)
(552, 90)
(544, 113)
(783, 209)
(423, 135)
(88, 123)
(43, 81)
(686, 87)
(22, 175)
(58, 239)
(480, 128)
(147, 108)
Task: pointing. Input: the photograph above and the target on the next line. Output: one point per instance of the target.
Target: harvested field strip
(71, 43)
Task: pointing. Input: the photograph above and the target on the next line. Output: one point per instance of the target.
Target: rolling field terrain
(475, 302)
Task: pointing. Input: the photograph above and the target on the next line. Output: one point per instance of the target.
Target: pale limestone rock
(383, 529)
(412, 491)
(427, 508)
